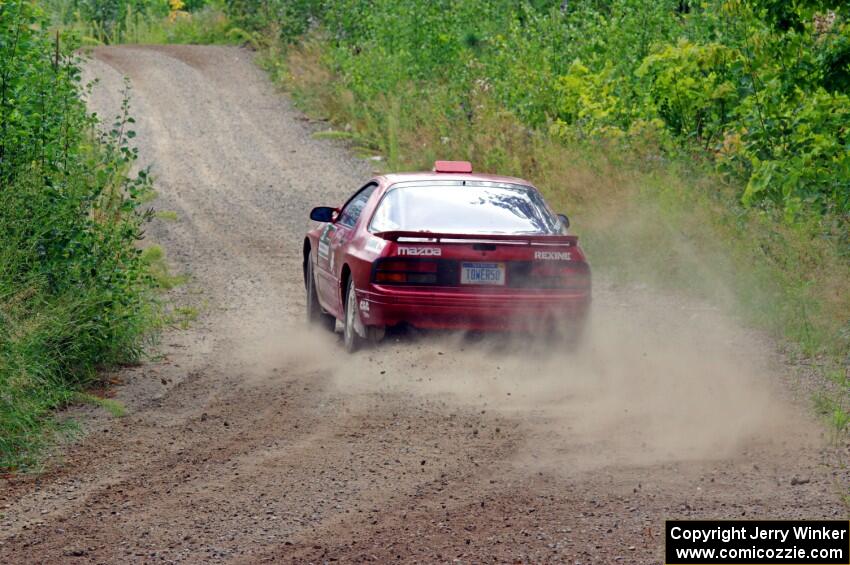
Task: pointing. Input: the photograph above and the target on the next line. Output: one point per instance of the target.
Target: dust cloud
(655, 381)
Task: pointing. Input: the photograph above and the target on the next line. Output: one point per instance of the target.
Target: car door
(332, 242)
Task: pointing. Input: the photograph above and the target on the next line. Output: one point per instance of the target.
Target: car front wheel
(315, 315)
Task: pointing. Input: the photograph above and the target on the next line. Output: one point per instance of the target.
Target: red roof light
(452, 167)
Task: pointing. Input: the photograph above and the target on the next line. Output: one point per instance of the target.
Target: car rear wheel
(315, 315)
(351, 338)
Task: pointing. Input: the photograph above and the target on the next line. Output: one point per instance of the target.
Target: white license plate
(482, 273)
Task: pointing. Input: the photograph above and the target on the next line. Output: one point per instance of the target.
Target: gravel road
(253, 439)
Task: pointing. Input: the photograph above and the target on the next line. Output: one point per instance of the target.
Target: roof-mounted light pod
(452, 167)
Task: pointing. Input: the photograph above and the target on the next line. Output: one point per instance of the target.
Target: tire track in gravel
(254, 439)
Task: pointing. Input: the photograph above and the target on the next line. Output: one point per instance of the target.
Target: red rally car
(449, 249)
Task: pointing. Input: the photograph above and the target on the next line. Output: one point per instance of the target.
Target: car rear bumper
(473, 309)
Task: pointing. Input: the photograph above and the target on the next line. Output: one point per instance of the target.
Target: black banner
(757, 542)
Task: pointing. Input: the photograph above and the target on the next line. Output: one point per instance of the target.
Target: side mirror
(322, 214)
(565, 221)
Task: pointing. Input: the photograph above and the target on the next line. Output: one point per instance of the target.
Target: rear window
(477, 208)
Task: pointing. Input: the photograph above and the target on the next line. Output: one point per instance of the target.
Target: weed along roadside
(75, 293)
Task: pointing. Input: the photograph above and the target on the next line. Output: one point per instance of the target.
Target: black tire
(350, 338)
(315, 315)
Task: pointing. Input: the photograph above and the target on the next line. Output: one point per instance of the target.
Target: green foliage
(74, 293)
(686, 87)
(108, 18)
(287, 19)
(114, 407)
(154, 262)
(144, 21)
(759, 88)
(207, 26)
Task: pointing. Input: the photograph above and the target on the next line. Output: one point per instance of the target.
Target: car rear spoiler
(564, 240)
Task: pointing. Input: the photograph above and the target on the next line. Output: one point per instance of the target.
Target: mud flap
(359, 327)
(372, 334)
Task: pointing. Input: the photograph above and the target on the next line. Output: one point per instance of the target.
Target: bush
(143, 21)
(74, 295)
(758, 87)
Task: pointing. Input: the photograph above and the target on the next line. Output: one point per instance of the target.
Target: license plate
(482, 273)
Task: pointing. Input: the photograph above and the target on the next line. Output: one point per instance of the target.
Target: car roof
(432, 176)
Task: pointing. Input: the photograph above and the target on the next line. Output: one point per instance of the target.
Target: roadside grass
(41, 340)
(115, 408)
(154, 258)
(44, 362)
(182, 317)
(644, 217)
(167, 215)
(206, 26)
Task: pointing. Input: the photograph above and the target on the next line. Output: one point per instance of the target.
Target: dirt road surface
(254, 439)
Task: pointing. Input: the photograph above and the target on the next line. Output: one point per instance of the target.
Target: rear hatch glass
(470, 208)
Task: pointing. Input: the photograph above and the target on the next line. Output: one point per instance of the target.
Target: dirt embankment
(254, 439)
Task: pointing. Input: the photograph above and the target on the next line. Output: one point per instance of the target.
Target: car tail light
(406, 271)
(574, 275)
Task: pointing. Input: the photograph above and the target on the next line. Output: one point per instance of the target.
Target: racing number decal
(325, 280)
(324, 247)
